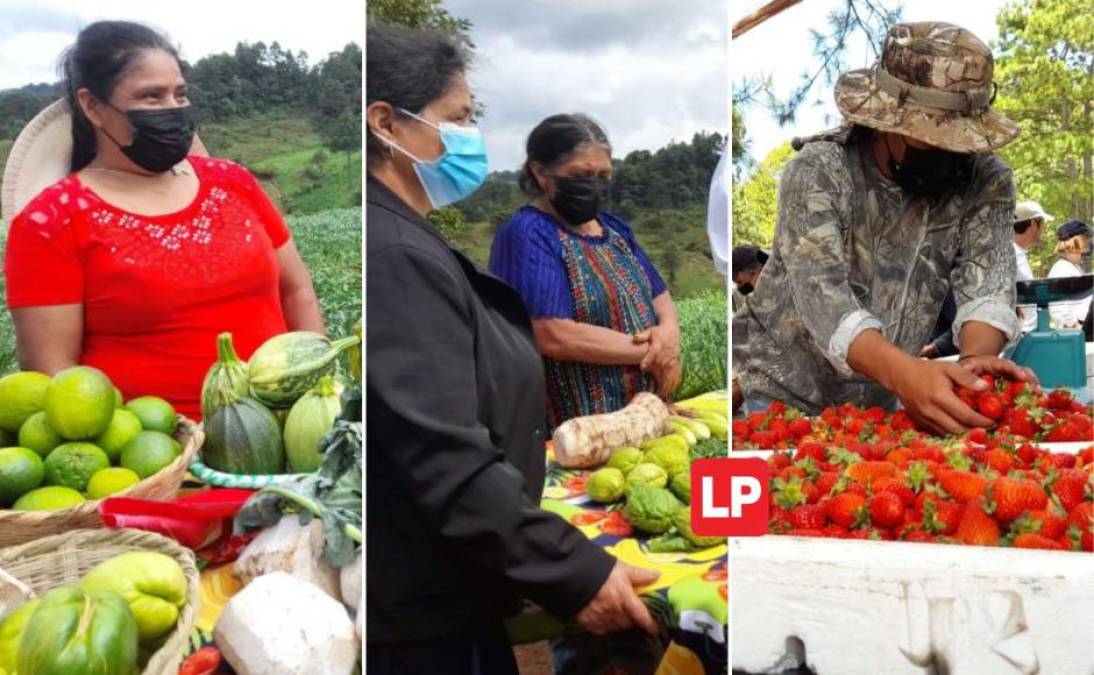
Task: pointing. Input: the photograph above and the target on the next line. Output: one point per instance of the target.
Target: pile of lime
(72, 437)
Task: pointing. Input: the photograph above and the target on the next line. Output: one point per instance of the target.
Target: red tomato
(588, 517)
(204, 661)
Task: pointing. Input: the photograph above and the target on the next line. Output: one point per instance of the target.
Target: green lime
(119, 400)
(21, 395)
(49, 498)
(20, 472)
(123, 428)
(149, 452)
(73, 464)
(37, 435)
(111, 481)
(154, 413)
(80, 403)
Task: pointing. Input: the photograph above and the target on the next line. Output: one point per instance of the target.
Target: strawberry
(788, 493)
(742, 430)
(763, 439)
(800, 427)
(942, 517)
(815, 451)
(835, 532)
(1036, 541)
(846, 509)
(976, 527)
(776, 408)
(919, 536)
(989, 405)
(778, 461)
(1065, 432)
(1082, 516)
(897, 487)
(826, 481)
(963, 486)
(864, 473)
(978, 435)
(1059, 399)
(758, 421)
(886, 510)
(808, 517)
(1010, 497)
(1001, 460)
(1047, 522)
(1085, 456)
(1068, 486)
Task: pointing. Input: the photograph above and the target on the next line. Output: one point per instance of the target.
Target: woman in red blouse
(136, 260)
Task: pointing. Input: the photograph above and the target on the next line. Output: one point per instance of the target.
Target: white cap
(1024, 211)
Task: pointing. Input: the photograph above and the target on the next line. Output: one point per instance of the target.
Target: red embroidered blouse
(155, 290)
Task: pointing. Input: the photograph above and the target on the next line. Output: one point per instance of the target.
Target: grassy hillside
(674, 239)
(288, 157)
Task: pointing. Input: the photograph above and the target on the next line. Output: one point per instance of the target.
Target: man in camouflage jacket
(877, 221)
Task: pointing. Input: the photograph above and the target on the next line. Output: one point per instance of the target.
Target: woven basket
(64, 559)
(18, 527)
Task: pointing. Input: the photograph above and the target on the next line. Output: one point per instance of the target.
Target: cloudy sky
(782, 48)
(33, 34)
(649, 71)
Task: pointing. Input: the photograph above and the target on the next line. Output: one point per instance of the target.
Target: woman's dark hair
(556, 138)
(103, 53)
(409, 69)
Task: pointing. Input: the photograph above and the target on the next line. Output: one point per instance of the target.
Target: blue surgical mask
(460, 169)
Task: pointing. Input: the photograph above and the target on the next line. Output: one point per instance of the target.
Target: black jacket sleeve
(422, 393)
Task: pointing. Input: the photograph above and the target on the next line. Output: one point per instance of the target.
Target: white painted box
(868, 608)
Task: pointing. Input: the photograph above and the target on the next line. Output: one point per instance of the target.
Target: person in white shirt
(718, 214)
(1073, 244)
(1029, 222)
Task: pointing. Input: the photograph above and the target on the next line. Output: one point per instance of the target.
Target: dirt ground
(534, 659)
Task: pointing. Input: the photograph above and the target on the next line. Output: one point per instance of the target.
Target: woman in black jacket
(455, 403)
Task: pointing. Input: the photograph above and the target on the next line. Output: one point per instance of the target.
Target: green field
(675, 240)
(330, 243)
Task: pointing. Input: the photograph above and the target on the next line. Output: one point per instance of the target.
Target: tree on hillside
(755, 200)
(425, 14)
(19, 106)
(337, 111)
(1045, 74)
(739, 144)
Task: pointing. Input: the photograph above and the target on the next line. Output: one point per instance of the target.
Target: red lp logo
(729, 497)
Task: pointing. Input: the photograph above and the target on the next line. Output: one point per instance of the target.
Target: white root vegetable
(585, 442)
(293, 548)
(281, 625)
(350, 582)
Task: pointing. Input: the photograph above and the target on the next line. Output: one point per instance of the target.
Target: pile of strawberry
(1019, 412)
(976, 491)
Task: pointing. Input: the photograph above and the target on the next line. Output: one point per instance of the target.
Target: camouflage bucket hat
(933, 83)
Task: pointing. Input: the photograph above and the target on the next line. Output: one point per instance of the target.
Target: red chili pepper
(204, 661)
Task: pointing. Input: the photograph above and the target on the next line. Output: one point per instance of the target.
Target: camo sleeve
(984, 272)
(812, 195)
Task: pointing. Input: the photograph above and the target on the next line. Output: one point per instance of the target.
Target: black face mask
(578, 200)
(930, 173)
(161, 137)
(745, 289)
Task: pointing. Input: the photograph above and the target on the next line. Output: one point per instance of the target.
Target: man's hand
(928, 352)
(616, 606)
(999, 367)
(925, 388)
